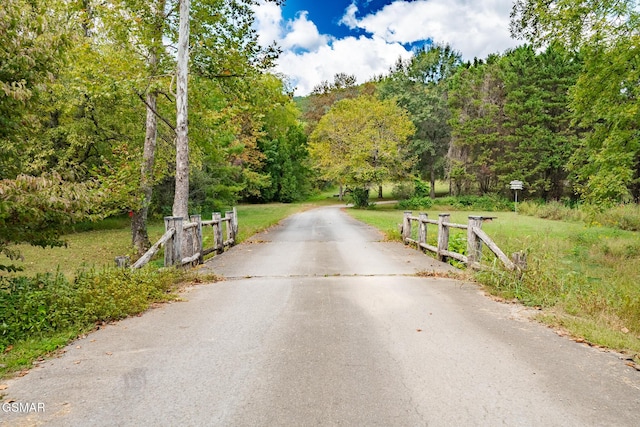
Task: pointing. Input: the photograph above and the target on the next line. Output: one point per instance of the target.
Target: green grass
(586, 278)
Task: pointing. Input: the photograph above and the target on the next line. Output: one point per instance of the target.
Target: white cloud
(474, 28)
(363, 57)
(268, 23)
(302, 33)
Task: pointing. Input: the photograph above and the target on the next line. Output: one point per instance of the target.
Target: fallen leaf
(3, 386)
(418, 330)
(78, 347)
(8, 349)
(109, 353)
(77, 362)
(624, 330)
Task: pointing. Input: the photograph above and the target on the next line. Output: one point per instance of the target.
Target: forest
(88, 114)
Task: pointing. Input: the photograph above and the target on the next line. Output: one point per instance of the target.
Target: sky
(320, 38)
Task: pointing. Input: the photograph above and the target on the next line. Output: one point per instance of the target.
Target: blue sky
(366, 37)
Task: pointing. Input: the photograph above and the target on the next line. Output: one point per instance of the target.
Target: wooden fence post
(406, 227)
(122, 261)
(173, 247)
(218, 239)
(197, 237)
(229, 215)
(422, 230)
(443, 236)
(234, 226)
(474, 244)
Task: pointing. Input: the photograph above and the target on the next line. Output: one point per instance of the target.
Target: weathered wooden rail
(183, 241)
(475, 239)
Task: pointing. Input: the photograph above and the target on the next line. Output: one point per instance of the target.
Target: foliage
(49, 303)
(325, 94)
(35, 210)
(32, 44)
(511, 121)
(489, 203)
(606, 165)
(419, 85)
(359, 196)
(476, 98)
(358, 142)
(416, 202)
(403, 191)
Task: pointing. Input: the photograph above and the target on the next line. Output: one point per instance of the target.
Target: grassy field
(585, 278)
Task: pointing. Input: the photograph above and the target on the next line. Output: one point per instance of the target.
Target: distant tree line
(561, 113)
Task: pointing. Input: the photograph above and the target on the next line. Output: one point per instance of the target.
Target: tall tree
(476, 98)
(181, 198)
(359, 141)
(606, 165)
(539, 137)
(420, 86)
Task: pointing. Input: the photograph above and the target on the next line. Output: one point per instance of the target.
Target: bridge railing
(183, 241)
(476, 237)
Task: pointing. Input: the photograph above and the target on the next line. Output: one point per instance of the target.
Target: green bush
(415, 203)
(359, 197)
(49, 303)
(402, 191)
(488, 203)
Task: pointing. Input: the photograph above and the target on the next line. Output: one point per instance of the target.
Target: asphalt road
(321, 323)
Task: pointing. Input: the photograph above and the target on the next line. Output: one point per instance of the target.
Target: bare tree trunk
(432, 190)
(139, 236)
(181, 197)
(379, 191)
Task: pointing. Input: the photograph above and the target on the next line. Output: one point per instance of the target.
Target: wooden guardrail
(475, 239)
(183, 241)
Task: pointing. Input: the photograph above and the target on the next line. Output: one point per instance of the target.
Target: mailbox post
(516, 185)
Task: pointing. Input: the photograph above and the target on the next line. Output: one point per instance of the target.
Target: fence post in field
(422, 229)
(406, 226)
(443, 236)
(173, 247)
(197, 234)
(474, 244)
(218, 239)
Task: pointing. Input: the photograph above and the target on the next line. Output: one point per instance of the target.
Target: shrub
(359, 197)
(49, 303)
(415, 203)
(402, 191)
(483, 203)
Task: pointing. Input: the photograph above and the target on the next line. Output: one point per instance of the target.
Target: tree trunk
(432, 190)
(139, 236)
(181, 197)
(341, 193)
(379, 191)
